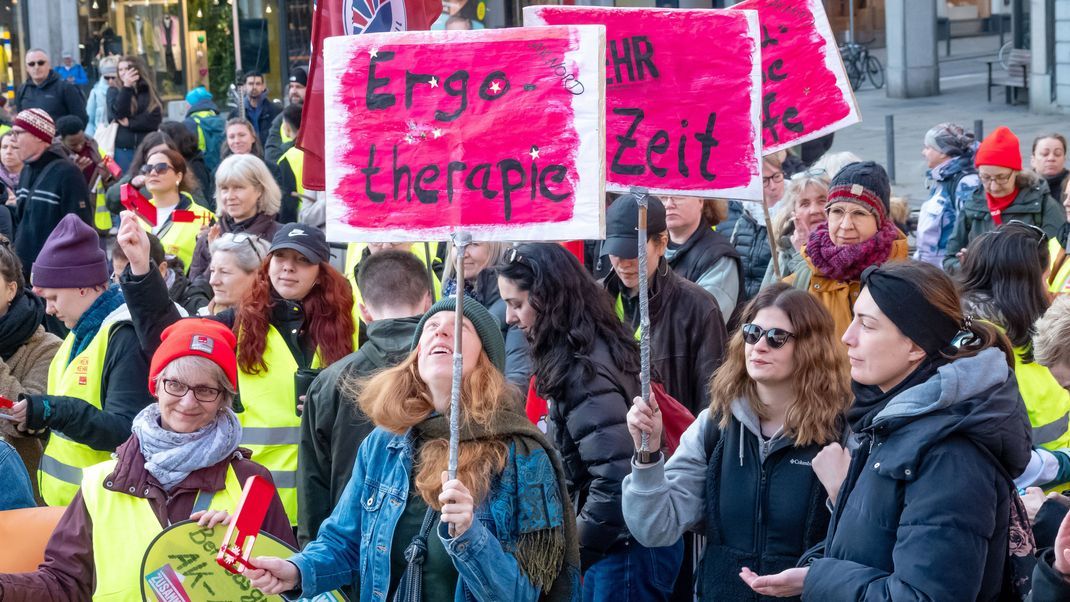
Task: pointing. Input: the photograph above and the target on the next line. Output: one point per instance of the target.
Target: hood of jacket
(953, 167)
(975, 397)
(204, 105)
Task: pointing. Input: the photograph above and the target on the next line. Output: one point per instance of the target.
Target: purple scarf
(846, 263)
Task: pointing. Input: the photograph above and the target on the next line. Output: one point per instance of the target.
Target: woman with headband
(925, 509)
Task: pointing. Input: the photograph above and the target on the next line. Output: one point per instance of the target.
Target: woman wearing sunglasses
(247, 199)
(182, 461)
(1006, 193)
(179, 219)
(232, 271)
(924, 508)
(741, 474)
(295, 319)
(1002, 281)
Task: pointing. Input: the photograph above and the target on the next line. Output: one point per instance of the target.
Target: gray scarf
(171, 456)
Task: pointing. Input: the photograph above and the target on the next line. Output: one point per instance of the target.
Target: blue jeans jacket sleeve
(16, 492)
(332, 560)
(487, 571)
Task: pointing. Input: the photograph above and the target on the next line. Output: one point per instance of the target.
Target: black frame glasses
(201, 393)
(775, 337)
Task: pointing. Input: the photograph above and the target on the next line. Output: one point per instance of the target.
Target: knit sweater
(27, 372)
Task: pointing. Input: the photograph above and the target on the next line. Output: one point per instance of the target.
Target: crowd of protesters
(843, 407)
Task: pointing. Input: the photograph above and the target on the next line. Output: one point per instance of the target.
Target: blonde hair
(397, 399)
(1052, 331)
(495, 255)
(821, 379)
(796, 187)
(248, 170)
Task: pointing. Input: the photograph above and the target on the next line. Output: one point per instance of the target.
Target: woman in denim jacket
(503, 529)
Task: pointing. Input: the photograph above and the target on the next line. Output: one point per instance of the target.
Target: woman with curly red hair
(294, 320)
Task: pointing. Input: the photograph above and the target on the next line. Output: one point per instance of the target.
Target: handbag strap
(410, 589)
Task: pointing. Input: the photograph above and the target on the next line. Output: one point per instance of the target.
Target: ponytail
(976, 336)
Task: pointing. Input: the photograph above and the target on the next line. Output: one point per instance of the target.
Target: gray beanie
(486, 327)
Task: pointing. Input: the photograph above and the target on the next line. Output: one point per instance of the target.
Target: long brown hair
(144, 76)
(328, 317)
(939, 290)
(821, 380)
(178, 162)
(397, 399)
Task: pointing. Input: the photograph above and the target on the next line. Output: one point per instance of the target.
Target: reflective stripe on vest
(125, 525)
(63, 460)
(1047, 403)
(353, 254)
(296, 159)
(270, 425)
(180, 239)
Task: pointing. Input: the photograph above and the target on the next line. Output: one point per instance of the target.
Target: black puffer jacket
(751, 241)
(54, 96)
(924, 511)
(687, 333)
(588, 426)
(141, 121)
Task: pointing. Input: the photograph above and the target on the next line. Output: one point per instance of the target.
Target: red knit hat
(1000, 148)
(196, 336)
(36, 123)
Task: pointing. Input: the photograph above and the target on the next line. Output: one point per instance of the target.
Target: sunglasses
(775, 337)
(514, 256)
(160, 168)
(36, 63)
(108, 78)
(240, 238)
(1042, 237)
(817, 172)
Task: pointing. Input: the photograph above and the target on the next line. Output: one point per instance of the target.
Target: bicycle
(860, 64)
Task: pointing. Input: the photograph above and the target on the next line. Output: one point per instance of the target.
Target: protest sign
(499, 133)
(683, 97)
(805, 90)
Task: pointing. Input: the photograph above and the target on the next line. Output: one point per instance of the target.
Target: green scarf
(546, 545)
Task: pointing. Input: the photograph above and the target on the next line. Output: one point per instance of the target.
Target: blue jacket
(927, 517)
(353, 545)
(16, 492)
(951, 184)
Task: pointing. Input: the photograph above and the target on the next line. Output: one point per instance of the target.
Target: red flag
(348, 17)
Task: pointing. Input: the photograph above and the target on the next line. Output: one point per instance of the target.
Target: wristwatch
(647, 457)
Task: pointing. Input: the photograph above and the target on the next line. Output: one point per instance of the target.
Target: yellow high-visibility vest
(296, 159)
(125, 525)
(60, 472)
(180, 238)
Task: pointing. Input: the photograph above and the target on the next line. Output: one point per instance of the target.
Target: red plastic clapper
(5, 403)
(237, 547)
(133, 200)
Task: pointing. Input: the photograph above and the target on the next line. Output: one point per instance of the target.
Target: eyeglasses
(202, 394)
(775, 337)
(1042, 237)
(160, 168)
(240, 238)
(109, 78)
(36, 63)
(817, 172)
(778, 177)
(1000, 179)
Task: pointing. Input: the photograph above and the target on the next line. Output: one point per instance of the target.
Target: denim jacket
(353, 545)
(16, 492)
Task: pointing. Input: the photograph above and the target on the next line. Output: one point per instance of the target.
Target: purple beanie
(71, 257)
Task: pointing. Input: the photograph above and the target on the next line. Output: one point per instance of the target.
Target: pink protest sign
(805, 91)
(682, 113)
(497, 132)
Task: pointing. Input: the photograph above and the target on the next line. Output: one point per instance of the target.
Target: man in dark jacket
(687, 332)
(50, 186)
(396, 293)
(259, 110)
(276, 144)
(46, 91)
(698, 254)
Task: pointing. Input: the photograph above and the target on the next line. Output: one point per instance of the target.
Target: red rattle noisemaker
(237, 546)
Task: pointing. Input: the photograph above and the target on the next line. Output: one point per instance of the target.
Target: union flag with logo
(340, 18)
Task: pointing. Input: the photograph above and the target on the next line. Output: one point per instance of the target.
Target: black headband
(906, 306)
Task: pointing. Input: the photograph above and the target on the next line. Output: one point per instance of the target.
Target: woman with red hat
(1007, 193)
(295, 319)
(182, 461)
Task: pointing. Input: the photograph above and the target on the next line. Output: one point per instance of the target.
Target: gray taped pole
(644, 308)
(460, 241)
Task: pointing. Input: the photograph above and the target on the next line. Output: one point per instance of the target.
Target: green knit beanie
(485, 324)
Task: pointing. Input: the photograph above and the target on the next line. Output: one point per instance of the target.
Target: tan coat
(27, 372)
(837, 296)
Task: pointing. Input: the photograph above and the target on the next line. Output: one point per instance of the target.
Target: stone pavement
(962, 100)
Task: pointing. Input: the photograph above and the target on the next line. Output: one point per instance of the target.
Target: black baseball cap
(622, 225)
(306, 240)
